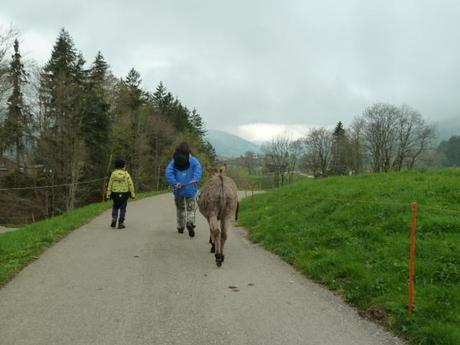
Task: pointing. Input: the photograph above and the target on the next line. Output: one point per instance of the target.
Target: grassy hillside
(352, 234)
(22, 246)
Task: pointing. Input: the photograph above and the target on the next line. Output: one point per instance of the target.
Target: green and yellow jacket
(120, 182)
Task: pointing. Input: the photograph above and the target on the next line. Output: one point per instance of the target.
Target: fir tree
(339, 164)
(159, 95)
(63, 101)
(17, 121)
(129, 123)
(96, 123)
(197, 124)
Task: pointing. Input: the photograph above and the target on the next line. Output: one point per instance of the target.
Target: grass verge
(18, 248)
(352, 235)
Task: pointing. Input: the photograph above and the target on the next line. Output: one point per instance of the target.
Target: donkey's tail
(237, 210)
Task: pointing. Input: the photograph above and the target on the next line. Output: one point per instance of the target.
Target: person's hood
(119, 175)
(181, 160)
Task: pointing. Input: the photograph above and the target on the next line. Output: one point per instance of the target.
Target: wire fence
(53, 186)
(28, 204)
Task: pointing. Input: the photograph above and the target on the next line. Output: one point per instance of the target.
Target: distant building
(9, 166)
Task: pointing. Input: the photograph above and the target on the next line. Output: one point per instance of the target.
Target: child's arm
(109, 187)
(131, 186)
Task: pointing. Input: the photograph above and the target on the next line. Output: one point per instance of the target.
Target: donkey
(218, 203)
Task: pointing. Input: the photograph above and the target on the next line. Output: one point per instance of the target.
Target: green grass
(352, 235)
(258, 181)
(18, 248)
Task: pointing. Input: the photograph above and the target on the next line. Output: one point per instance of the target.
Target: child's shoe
(191, 229)
(121, 226)
(114, 223)
(180, 230)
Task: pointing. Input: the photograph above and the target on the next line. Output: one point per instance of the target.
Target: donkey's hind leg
(216, 238)
(211, 242)
(224, 225)
(218, 246)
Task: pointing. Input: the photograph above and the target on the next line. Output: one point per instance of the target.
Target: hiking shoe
(191, 229)
(114, 223)
(180, 230)
(121, 226)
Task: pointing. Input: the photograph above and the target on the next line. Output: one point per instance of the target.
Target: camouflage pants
(185, 208)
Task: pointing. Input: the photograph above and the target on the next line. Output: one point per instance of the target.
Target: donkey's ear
(222, 169)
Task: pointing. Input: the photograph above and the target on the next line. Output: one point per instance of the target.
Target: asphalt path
(147, 284)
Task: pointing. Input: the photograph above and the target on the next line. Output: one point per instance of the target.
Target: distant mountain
(228, 145)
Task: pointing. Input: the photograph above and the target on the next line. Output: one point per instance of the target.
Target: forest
(63, 125)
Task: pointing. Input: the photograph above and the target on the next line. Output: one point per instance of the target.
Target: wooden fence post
(103, 189)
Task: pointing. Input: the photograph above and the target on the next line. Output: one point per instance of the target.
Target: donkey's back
(218, 197)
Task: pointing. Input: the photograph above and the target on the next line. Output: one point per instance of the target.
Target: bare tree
(250, 161)
(380, 133)
(413, 137)
(276, 157)
(394, 137)
(295, 150)
(7, 37)
(356, 151)
(319, 150)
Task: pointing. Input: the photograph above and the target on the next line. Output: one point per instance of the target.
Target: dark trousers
(120, 201)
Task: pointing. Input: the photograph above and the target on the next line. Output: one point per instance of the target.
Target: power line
(53, 186)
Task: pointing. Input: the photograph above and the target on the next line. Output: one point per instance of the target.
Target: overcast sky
(255, 68)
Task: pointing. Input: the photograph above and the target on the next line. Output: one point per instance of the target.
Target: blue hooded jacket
(175, 176)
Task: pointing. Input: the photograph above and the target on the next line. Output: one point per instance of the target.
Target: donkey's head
(219, 169)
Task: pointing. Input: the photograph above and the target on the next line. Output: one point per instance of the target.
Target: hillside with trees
(64, 124)
(384, 138)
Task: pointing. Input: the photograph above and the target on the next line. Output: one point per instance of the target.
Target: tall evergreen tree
(158, 96)
(97, 119)
(451, 150)
(17, 122)
(63, 99)
(129, 123)
(339, 150)
(197, 123)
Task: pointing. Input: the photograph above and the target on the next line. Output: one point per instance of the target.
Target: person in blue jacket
(183, 174)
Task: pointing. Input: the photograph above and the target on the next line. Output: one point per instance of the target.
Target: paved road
(149, 285)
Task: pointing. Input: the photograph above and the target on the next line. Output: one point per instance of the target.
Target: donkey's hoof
(219, 259)
(222, 257)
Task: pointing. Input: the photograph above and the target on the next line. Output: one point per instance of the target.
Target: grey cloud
(272, 61)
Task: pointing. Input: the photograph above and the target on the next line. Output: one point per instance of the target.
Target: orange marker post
(253, 199)
(412, 259)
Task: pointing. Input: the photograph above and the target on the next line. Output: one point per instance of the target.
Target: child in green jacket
(120, 189)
